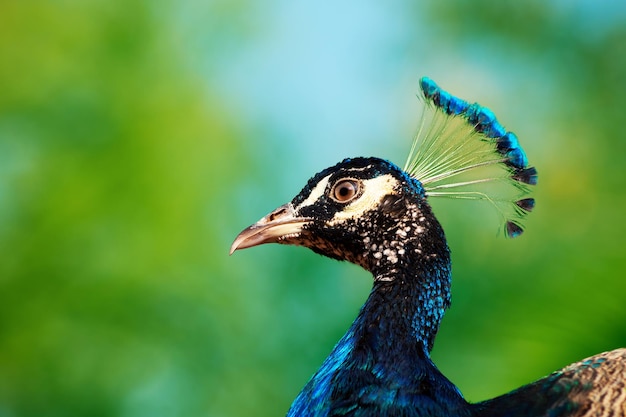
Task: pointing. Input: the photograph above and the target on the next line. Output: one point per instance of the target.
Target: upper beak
(280, 223)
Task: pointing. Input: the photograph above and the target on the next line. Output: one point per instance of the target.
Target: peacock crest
(459, 147)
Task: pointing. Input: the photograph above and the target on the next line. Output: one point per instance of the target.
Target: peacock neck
(383, 360)
(403, 314)
(412, 281)
(398, 323)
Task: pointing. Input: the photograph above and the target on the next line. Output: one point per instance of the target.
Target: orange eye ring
(345, 190)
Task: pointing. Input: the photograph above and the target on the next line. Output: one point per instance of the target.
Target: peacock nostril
(276, 214)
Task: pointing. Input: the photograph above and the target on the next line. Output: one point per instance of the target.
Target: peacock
(372, 213)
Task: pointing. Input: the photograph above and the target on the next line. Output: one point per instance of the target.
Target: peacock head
(370, 212)
(364, 210)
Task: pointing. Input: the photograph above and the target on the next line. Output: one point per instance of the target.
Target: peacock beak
(277, 226)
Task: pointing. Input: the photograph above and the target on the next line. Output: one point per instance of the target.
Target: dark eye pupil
(344, 191)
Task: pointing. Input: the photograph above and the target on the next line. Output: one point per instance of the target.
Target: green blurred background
(137, 138)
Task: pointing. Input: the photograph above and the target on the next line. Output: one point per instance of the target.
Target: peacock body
(370, 212)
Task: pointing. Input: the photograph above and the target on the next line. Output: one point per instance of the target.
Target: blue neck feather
(382, 364)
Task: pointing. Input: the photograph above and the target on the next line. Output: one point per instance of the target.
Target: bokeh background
(137, 138)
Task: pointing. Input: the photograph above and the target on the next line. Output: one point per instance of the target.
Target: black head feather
(387, 222)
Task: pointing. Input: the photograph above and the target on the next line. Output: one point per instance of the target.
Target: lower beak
(280, 224)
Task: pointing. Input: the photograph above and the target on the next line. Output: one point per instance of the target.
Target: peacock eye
(345, 190)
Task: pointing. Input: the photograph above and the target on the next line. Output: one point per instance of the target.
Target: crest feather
(461, 147)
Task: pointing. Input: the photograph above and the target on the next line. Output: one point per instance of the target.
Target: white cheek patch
(315, 194)
(374, 190)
